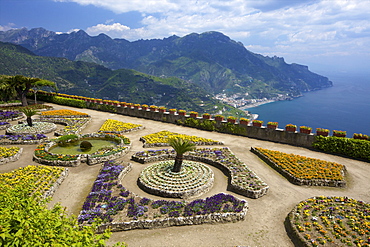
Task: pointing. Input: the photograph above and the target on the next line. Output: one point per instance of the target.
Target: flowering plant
(231, 117)
(111, 125)
(244, 119)
(273, 123)
(144, 105)
(257, 121)
(153, 107)
(291, 126)
(162, 108)
(181, 111)
(305, 128)
(340, 132)
(173, 110)
(322, 130)
(193, 112)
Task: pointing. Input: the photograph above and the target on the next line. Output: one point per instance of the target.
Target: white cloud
(7, 27)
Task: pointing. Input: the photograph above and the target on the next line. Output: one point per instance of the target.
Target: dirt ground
(264, 223)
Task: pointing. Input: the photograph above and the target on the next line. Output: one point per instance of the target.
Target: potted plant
(339, 133)
(244, 121)
(272, 125)
(360, 136)
(219, 117)
(172, 111)
(231, 119)
(290, 127)
(153, 108)
(162, 109)
(181, 112)
(193, 114)
(123, 104)
(206, 116)
(144, 107)
(322, 132)
(257, 123)
(305, 129)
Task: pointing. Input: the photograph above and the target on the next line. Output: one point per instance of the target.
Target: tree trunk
(178, 163)
(29, 121)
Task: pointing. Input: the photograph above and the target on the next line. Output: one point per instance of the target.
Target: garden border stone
(11, 158)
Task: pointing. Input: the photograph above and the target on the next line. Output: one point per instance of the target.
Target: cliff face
(210, 60)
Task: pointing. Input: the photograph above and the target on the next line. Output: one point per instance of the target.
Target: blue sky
(329, 36)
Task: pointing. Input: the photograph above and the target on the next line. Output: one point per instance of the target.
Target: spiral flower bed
(330, 221)
(194, 179)
(242, 180)
(37, 128)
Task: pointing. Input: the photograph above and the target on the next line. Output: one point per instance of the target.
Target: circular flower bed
(331, 221)
(193, 179)
(37, 128)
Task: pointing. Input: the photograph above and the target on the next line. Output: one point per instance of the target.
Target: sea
(345, 106)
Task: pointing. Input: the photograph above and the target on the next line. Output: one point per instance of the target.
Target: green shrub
(350, 147)
(231, 128)
(26, 221)
(207, 125)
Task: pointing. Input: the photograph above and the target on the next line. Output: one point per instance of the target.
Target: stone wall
(262, 133)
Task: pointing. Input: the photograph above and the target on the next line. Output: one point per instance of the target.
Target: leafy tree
(181, 146)
(6, 91)
(22, 85)
(29, 113)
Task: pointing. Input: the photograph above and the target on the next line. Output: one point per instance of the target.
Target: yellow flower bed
(162, 137)
(8, 152)
(303, 167)
(41, 178)
(111, 125)
(63, 112)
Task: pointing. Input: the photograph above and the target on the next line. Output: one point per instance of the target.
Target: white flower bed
(37, 128)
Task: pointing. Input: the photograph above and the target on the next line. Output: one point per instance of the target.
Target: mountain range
(210, 60)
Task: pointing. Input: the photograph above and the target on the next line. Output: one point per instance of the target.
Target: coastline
(246, 107)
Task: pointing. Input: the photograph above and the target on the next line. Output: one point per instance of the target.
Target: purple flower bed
(3, 123)
(27, 137)
(108, 199)
(9, 114)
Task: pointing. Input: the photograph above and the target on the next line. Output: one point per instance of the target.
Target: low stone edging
(50, 192)
(299, 181)
(82, 158)
(11, 158)
(176, 221)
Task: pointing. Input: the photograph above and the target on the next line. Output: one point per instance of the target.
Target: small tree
(29, 113)
(181, 146)
(22, 85)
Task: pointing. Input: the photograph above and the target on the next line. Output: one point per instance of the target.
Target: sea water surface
(345, 106)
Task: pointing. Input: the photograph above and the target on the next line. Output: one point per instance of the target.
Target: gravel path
(264, 224)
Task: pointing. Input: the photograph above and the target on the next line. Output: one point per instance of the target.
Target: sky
(329, 36)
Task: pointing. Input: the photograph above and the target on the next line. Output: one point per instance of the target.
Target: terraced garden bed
(301, 170)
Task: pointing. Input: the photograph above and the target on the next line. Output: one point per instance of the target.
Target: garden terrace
(43, 180)
(121, 209)
(161, 138)
(42, 154)
(115, 126)
(330, 221)
(302, 170)
(242, 180)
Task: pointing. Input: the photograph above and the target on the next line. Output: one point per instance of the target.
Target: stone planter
(206, 116)
(162, 110)
(271, 126)
(257, 125)
(339, 135)
(231, 121)
(219, 118)
(144, 108)
(244, 122)
(193, 115)
(182, 113)
(290, 129)
(322, 133)
(305, 131)
(172, 112)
